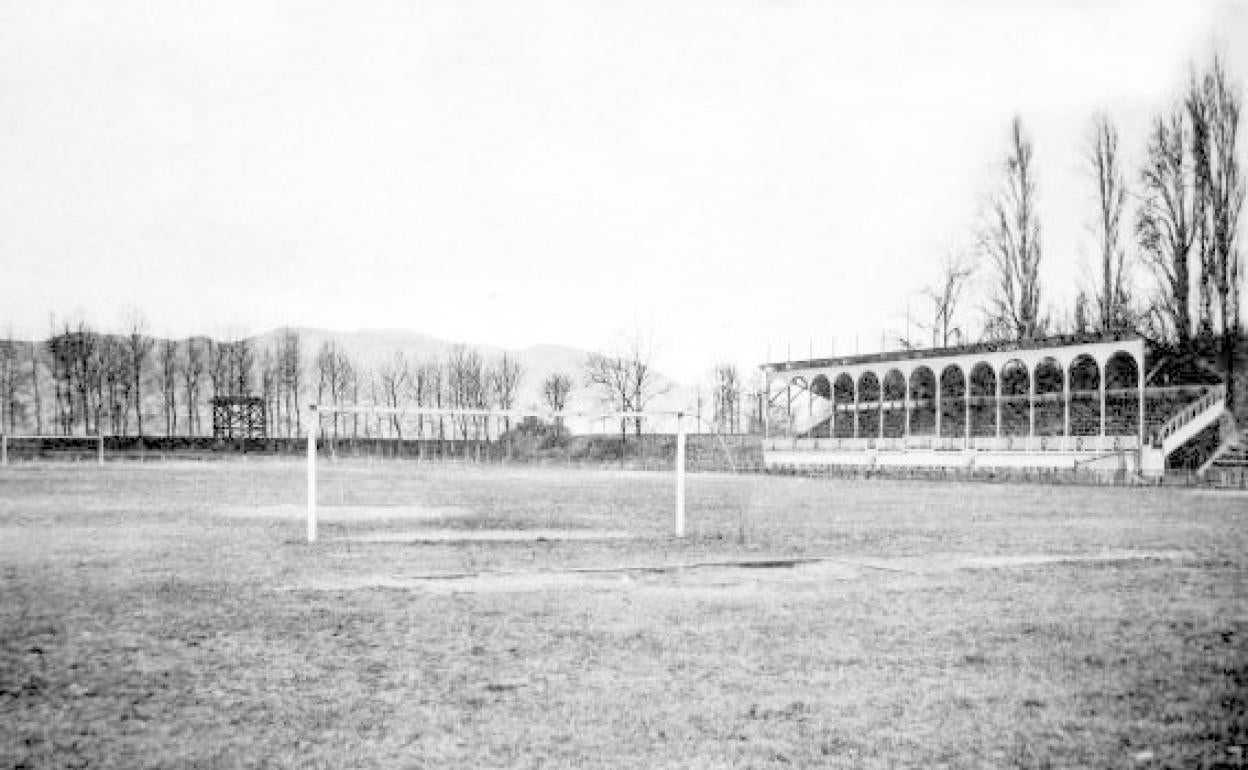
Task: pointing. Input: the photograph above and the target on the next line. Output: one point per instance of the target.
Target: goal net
(348, 487)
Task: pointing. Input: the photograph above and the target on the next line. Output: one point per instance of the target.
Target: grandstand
(1096, 402)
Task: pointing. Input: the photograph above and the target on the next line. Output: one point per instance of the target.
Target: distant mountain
(371, 347)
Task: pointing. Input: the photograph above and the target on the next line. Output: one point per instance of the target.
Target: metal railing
(1101, 444)
(1187, 414)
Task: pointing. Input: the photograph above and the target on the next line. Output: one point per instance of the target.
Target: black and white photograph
(681, 384)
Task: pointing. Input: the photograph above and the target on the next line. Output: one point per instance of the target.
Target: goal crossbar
(450, 412)
(316, 409)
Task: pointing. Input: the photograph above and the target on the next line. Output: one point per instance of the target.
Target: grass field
(172, 616)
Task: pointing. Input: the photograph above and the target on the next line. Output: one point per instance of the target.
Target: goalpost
(317, 410)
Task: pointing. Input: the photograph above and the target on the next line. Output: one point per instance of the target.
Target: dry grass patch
(140, 628)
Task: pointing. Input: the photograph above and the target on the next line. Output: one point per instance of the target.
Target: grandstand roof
(1056, 341)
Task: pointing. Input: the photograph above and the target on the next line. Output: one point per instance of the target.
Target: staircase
(1191, 420)
(1231, 454)
(1228, 456)
(820, 411)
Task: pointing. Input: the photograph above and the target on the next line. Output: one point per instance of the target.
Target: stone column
(905, 410)
(1102, 379)
(1066, 413)
(1031, 402)
(856, 413)
(966, 428)
(999, 401)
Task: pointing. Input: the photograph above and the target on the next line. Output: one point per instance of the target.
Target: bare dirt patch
(489, 535)
(708, 580)
(1037, 559)
(349, 512)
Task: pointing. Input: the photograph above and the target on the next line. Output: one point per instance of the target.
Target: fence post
(312, 425)
(680, 475)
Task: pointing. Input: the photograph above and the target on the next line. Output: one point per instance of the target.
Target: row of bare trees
(84, 382)
(464, 379)
(1192, 198)
(625, 380)
(80, 381)
(1186, 205)
(1178, 223)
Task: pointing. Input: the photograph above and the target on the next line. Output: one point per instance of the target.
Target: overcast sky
(734, 176)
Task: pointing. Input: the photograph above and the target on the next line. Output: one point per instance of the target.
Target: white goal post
(316, 410)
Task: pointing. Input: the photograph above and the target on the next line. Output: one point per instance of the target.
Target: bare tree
(218, 368)
(395, 379)
(194, 362)
(354, 375)
(1082, 321)
(117, 383)
(292, 376)
(1165, 225)
(270, 387)
(726, 397)
(505, 376)
(1113, 300)
(1011, 240)
(369, 385)
(35, 388)
(945, 295)
(329, 379)
(60, 356)
(1198, 108)
(87, 376)
(167, 372)
(555, 390)
(625, 379)
(609, 375)
(429, 388)
(337, 378)
(242, 363)
(138, 346)
(11, 375)
(1214, 107)
(466, 383)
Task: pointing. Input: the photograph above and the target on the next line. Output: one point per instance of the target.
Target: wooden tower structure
(239, 417)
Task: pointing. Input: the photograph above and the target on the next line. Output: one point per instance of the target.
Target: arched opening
(1085, 397)
(1015, 411)
(983, 396)
(1122, 395)
(868, 405)
(952, 402)
(922, 402)
(894, 404)
(843, 398)
(1050, 398)
(821, 389)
